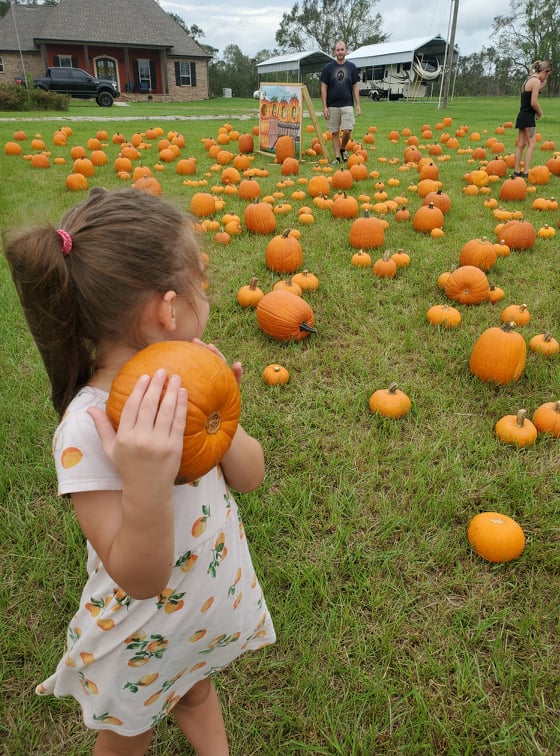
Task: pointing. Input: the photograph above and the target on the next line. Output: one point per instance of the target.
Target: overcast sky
(252, 24)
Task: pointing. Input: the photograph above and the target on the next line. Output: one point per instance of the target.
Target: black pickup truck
(77, 83)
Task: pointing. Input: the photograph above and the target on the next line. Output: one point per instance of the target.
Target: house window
(144, 75)
(1, 65)
(185, 73)
(106, 68)
(65, 61)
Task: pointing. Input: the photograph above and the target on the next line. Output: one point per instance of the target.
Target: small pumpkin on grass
(499, 355)
(496, 294)
(306, 281)
(385, 267)
(250, 294)
(288, 285)
(546, 418)
(390, 402)
(214, 400)
(518, 314)
(361, 259)
(544, 343)
(401, 257)
(516, 429)
(496, 537)
(444, 315)
(275, 375)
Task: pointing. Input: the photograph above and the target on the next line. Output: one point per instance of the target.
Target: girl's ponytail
(38, 263)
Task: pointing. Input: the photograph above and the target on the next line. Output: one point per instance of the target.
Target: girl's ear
(166, 311)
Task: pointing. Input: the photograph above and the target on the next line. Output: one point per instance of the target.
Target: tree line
(528, 32)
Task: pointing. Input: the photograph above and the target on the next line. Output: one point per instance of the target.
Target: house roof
(398, 51)
(304, 62)
(21, 22)
(143, 23)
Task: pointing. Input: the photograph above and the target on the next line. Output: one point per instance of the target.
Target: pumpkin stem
(557, 406)
(286, 233)
(306, 327)
(508, 326)
(521, 415)
(547, 336)
(253, 283)
(393, 387)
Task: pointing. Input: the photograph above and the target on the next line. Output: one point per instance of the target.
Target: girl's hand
(147, 447)
(237, 367)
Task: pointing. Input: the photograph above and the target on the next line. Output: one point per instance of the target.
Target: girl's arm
(132, 530)
(535, 88)
(243, 463)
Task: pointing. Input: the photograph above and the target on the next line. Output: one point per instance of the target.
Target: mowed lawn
(394, 637)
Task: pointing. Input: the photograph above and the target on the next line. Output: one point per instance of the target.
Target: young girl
(530, 111)
(171, 595)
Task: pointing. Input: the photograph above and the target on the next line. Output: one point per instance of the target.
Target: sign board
(280, 114)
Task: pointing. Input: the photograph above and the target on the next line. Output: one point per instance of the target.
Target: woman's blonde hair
(541, 65)
(126, 245)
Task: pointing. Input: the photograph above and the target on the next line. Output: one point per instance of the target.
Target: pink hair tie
(66, 241)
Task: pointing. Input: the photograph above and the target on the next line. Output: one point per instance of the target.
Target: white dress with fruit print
(128, 661)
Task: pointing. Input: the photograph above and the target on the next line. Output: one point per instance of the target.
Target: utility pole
(450, 55)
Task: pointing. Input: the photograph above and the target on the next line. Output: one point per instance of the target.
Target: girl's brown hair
(126, 245)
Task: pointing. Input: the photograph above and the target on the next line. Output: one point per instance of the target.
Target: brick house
(133, 42)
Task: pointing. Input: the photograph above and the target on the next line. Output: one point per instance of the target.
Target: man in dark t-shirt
(339, 93)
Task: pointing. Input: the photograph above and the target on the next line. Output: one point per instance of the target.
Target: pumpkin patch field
(398, 320)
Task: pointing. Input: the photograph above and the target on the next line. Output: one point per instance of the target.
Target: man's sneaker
(336, 161)
(343, 155)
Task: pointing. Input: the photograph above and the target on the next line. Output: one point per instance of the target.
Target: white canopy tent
(404, 68)
(293, 65)
(402, 51)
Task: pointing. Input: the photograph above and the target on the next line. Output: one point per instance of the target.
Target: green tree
(233, 71)
(319, 24)
(528, 33)
(193, 31)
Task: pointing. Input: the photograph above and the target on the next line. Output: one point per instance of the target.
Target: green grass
(393, 636)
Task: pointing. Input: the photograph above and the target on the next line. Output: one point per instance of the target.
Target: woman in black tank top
(530, 110)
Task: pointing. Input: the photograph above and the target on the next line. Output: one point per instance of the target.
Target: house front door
(106, 68)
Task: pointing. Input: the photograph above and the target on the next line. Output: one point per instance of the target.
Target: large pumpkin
(513, 188)
(367, 232)
(478, 252)
(426, 218)
(499, 355)
(283, 253)
(259, 218)
(214, 402)
(285, 147)
(518, 234)
(468, 285)
(285, 317)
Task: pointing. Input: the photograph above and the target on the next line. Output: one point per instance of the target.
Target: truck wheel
(104, 99)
